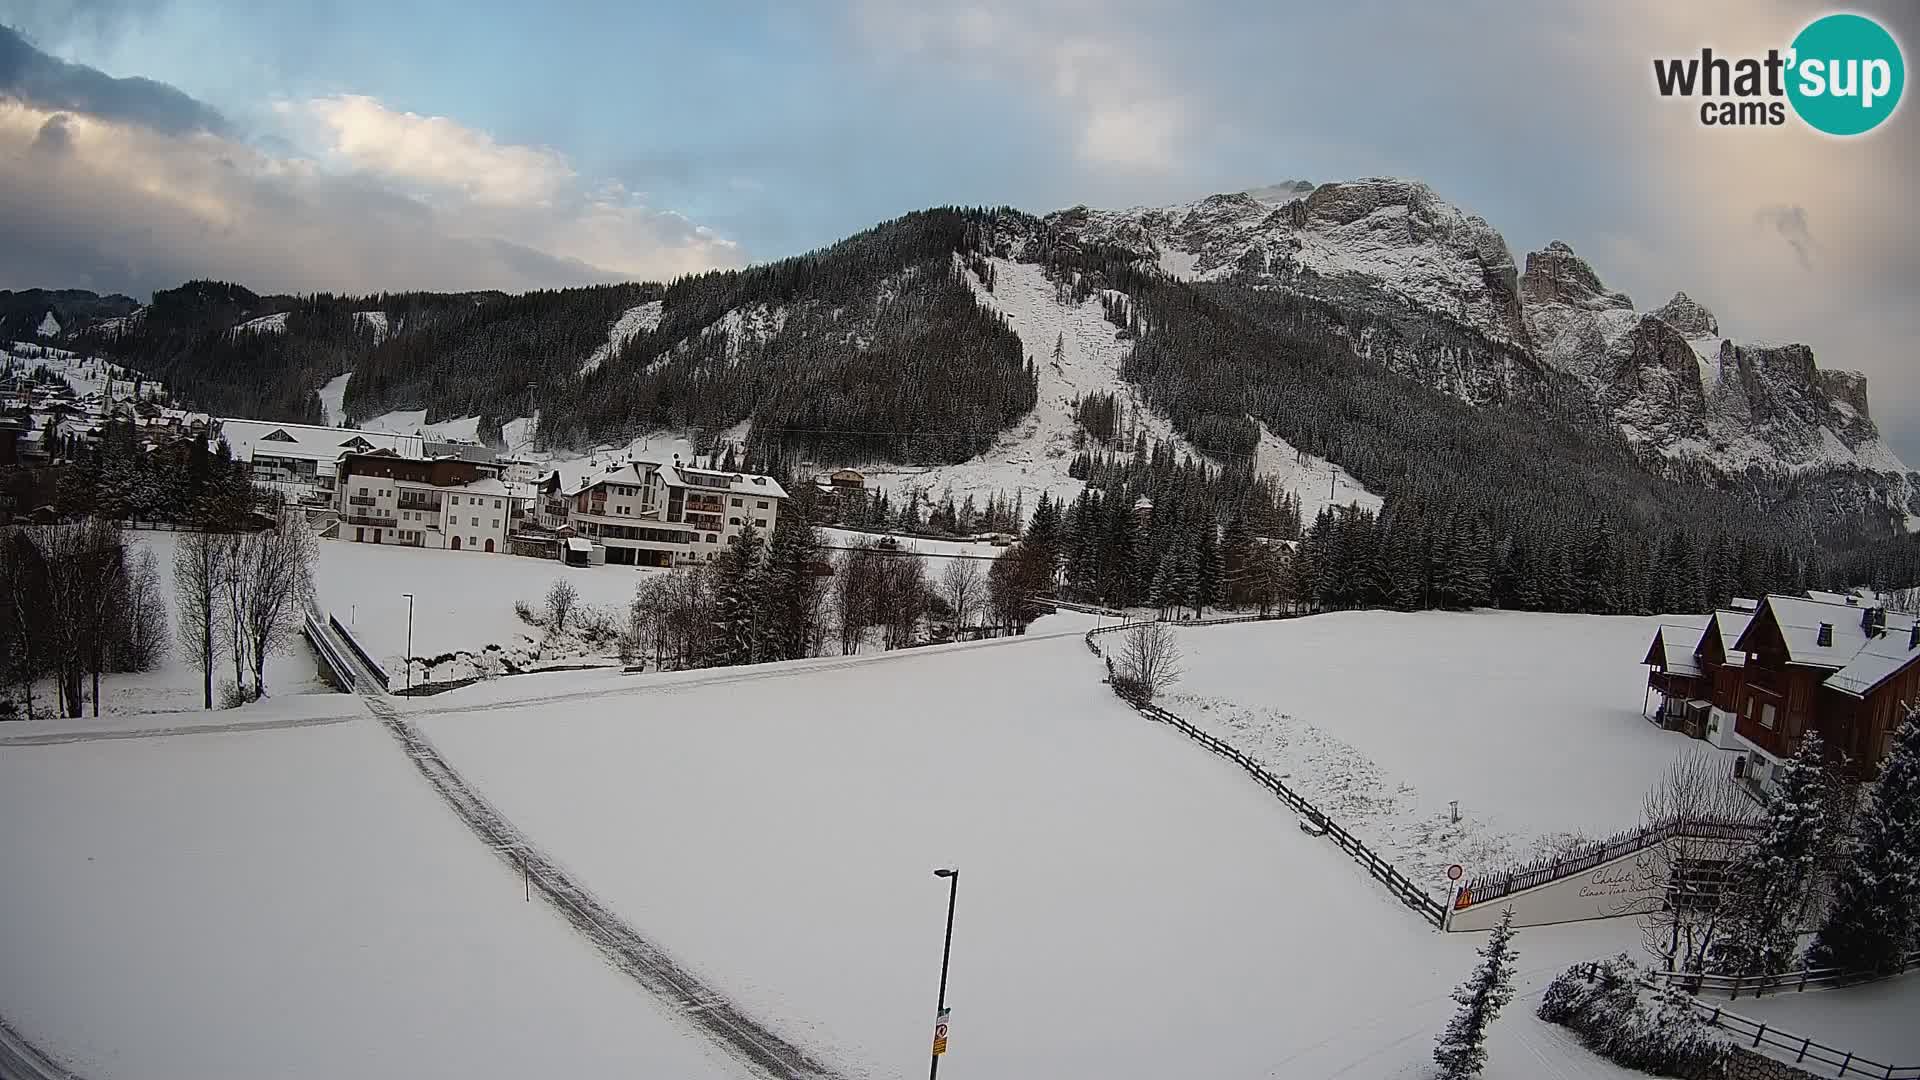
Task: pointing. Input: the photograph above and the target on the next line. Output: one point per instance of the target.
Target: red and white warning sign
(940, 1032)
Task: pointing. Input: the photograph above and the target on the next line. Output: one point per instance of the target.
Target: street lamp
(952, 874)
(409, 657)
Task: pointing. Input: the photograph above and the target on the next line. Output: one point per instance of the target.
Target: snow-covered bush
(1607, 1006)
(525, 611)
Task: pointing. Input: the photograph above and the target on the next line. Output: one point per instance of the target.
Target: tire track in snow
(702, 1007)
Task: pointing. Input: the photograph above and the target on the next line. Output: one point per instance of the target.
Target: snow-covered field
(292, 903)
(463, 600)
(1380, 718)
(1130, 906)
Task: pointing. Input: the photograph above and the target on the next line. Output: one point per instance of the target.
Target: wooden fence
(1381, 870)
(1733, 986)
(1804, 1050)
(1482, 889)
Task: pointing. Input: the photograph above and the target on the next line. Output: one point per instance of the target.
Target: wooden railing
(1804, 1050)
(1414, 897)
(1733, 986)
(1481, 889)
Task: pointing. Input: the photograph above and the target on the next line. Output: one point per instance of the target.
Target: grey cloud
(33, 77)
(1791, 223)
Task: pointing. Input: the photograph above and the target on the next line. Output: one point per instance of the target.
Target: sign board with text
(940, 1032)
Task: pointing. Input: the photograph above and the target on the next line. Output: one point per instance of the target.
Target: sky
(354, 146)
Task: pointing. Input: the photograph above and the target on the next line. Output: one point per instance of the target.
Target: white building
(647, 513)
(439, 503)
(299, 459)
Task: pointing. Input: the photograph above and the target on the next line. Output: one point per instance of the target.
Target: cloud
(32, 77)
(1123, 112)
(434, 152)
(119, 191)
(1791, 223)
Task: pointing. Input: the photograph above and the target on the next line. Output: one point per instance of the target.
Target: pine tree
(788, 588)
(1236, 560)
(736, 622)
(1871, 921)
(1769, 885)
(1206, 567)
(1462, 1048)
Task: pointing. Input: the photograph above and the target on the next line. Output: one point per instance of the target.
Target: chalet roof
(1880, 659)
(1678, 644)
(1730, 625)
(309, 441)
(1800, 619)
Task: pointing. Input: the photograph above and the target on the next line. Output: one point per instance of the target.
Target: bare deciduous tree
(562, 598)
(279, 584)
(199, 568)
(1150, 658)
(1683, 925)
(144, 640)
(963, 583)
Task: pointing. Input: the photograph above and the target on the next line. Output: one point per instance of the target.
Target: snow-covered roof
(1878, 660)
(577, 543)
(1741, 603)
(1731, 624)
(1800, 620)
(741, 483)
(1677, 644)
(309, 441)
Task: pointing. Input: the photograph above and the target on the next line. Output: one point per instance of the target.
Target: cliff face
(1673, 381)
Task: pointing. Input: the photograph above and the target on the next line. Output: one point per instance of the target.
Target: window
(475, 522)
(454, 499)
(759, 523)
(733, 521)
(496, 523)
(711, 539)
(496, 504)
(1766, 717)
(472, 541)
(736, 502)
(363, 490)
(761, 505)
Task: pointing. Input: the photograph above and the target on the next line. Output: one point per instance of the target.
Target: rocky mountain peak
(1688, 316)
(1558, 276)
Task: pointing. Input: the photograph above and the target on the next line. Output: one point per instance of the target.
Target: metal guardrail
(1761, 985)
(385, 681)
(345, 674)
(1404, 890)
(1804, 1049)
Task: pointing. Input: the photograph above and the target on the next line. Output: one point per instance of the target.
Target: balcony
(369, 519)
(420, 504)
(362, 500)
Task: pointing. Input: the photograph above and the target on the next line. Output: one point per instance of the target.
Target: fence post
(1715, 1020)
(1804, 1043)
(1758, 1034)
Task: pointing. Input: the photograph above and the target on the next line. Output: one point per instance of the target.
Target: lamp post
(409, 657)
(952, 874)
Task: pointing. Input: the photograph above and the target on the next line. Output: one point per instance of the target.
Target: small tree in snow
(1876, 896)
(1684, 928)
(1149, 660)
(562, 598)
(1462, 1048)
(1769, 886)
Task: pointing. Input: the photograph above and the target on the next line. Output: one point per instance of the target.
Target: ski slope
(297, 904)
(1131, 906)
(333, 399)
(643, 318)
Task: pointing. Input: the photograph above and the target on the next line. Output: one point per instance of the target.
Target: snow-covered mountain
(1673, 381)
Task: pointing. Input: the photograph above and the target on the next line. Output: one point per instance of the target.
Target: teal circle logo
(1846, 74)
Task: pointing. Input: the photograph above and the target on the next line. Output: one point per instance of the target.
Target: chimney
(1874, 621)
(1825, 638)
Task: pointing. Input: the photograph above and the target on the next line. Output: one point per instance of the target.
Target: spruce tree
(736, 605)
(787, 588)
(1769, 885)
(1206, 567)
(1870, 923)
(1462, 1048)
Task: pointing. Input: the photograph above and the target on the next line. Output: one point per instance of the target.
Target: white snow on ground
(414, 422)
(266, 324)
(375, 319)
(49, 326)
(935, 554)
(1033, 455)
(1318, 482)
(463, 600)
(87, 375)
(1132, 906)
(333, 397)
(175, 686)
(1874, 1020)
(634, 321)
(1381, 718)
(293, 904)
(1179, 265)
(517, 433)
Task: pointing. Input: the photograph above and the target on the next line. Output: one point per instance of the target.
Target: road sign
(1454, 872)
(940, 1032)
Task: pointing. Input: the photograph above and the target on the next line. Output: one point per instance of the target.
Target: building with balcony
(383, 498)
(642, 513)
(300, 460)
